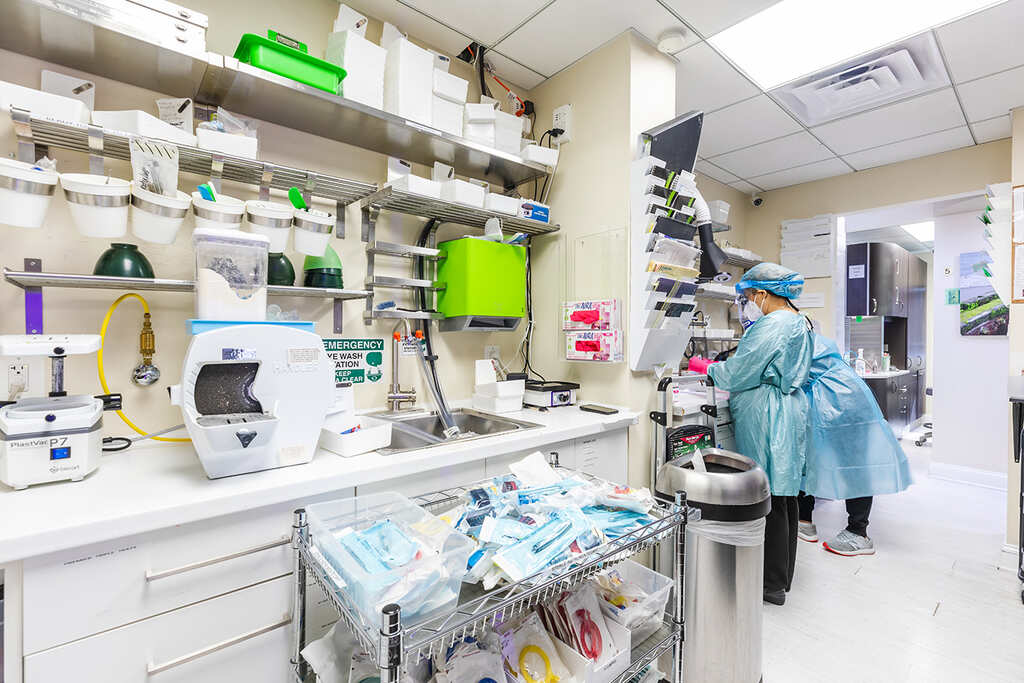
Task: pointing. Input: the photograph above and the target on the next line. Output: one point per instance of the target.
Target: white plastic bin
(372, 435)
(719, 211)
(272, 220)
(25, 194)
(463, 192)
(98, 204)
(423, 577)
(658, 588)
(41, 103)
(508, 132)
(223, 214)
(227, 143)
(140, 123)
(540, 155)
(231, 275)
(450, 87)
(312, 231)
(500, 203)
(155, 217)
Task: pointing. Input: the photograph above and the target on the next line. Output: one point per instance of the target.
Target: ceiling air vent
(892, 73)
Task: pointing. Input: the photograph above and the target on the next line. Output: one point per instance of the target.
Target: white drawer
(111, 584)
(241, 636)
(428, 482)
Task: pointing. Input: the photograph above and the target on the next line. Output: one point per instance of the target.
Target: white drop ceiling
(749, 142)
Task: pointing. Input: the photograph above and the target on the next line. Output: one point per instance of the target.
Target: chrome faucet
(396, 395)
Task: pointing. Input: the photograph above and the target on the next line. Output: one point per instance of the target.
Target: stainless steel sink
(415, 430)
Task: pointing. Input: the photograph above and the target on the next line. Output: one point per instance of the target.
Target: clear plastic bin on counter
(231, 275)
(384, 548)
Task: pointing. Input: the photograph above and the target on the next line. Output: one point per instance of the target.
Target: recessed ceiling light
(922, 232)
(794, 38)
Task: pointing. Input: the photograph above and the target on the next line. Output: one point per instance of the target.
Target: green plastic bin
(482, 278)
(277, 57)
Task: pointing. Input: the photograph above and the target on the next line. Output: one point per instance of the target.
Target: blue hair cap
(772, 277)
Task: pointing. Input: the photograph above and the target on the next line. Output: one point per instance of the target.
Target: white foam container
(157, 218)
(223, 214)
(312, 232)
(140, 123)
(373, 435)
(25, 194)
(500, 203)
(42, 103)
(273, 220)
(235, 145)
(98, 203)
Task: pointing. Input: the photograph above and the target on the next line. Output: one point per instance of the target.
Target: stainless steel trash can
(723, 581)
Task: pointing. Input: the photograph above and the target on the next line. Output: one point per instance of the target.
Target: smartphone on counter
(600, 410)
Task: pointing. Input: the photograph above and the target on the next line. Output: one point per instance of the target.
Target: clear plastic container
(646, 617)
(231, 274)
(425, 587)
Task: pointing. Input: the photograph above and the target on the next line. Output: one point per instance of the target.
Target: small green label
(953, 297)
(860, 318)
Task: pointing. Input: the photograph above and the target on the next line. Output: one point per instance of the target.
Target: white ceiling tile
(567, 30)
(743, 124)
(993, 96)
(485, 20)
(801, 174)
(421, 28)
(744, 186)
(993, 129)
(711, 16)
(793, 150)
(929, 113)
(984, 43)
(911, 149)
(712, 171)
(513, 71)
(705, 81)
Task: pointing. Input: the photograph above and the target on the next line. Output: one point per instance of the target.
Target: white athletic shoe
(808, 532)
(849, 544)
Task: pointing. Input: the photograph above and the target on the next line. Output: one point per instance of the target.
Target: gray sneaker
(808, 532)
(849, 544)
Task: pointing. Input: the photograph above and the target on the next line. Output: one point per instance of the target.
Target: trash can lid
(733, 489)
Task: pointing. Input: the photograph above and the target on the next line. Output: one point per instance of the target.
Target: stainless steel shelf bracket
(216, 170)
(95, 149)
(266, 178)
(339, 214)
(28, 150)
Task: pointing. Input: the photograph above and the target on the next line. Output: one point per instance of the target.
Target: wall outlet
(562, 118)
(492, 352)
(21, 377)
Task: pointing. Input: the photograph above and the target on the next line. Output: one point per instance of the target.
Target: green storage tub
(283, 60)
(482, 279)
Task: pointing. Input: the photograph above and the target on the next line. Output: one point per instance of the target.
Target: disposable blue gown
(852, 451)
(765, 378)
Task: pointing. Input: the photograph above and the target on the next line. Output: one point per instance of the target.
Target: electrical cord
(103, 377)
(527, 343)
(123, 440)
(421, 267)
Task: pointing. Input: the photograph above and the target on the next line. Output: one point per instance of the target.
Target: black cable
(536, 197)
(421, 269)
(124, 441)
(484, 90)
(547, 177)
(524, 348)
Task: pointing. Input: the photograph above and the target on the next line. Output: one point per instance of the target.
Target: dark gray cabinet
(898, 398)
(878, 279)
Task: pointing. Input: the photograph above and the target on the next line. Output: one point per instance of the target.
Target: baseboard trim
(969, 475)
(1009, 548)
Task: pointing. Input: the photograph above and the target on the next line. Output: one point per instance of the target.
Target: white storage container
(463, 192)
(408, 81)
(658, 588)
(25, 193)
(231, 275)
(497, 404)
(500, 203)
(479, 132)
(447, 116)
(155, 217)
(373, 434)
(540, 155)
(507, 389)
(98, 204)
(140, 123)
(508, 132)
(272, 220)
(364, 61)
(450, 87)
(417, 185)
(223, 214)
(480, 113)
(226, 143)
(312, 231)
(422, 570)
(719, 211)
(42, 103)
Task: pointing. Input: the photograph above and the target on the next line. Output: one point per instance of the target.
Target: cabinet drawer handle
(152, 576)
(216, 647)
(874, 305)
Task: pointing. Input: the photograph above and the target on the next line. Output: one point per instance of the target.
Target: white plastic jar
(272, 220)
(25, 193)
(98, 204)
(312, 231)
(155, 217)
(223, 214)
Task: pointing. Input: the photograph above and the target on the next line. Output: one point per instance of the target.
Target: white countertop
(154, 486)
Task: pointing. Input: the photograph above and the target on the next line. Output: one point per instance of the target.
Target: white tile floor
(932, 605)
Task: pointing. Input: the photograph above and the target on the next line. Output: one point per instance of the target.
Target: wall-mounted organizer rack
(744, 263)
(395, 646)
(411, 204)
(33, 280)
(104, 45)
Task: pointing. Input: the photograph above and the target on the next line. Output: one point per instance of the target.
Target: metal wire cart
(395, 646)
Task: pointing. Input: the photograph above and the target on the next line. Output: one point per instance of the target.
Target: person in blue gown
(852, 454)
(765, 378)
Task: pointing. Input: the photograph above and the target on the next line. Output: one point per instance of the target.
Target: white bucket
(272, 220)
(98, 204)
(25, 194)
(312, 232)
(223, 214)
(155, 217)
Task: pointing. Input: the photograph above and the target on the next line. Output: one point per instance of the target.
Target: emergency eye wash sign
(358, 361)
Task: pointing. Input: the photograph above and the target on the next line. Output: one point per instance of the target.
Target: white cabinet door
(498, 465)
(604, 455)
(241, 636)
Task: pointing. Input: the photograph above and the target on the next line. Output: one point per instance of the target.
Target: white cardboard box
(463, 192)
(236, 145)
(139, 122)
(408, 81)
(450, 87)
(447, 115)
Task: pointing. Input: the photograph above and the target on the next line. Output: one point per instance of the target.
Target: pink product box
(594, 345)
(591, 315)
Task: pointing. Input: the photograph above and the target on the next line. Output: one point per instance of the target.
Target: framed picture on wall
(982, 311)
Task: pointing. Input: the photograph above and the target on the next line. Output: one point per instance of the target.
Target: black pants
(858, 510)
(780, 544)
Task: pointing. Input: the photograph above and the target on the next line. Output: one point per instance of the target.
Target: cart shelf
(477, 608)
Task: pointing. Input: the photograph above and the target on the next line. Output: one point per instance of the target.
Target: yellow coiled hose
(103, 378)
